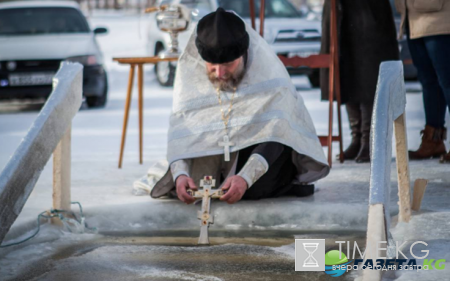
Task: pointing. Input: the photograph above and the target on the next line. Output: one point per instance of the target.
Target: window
(273, 8)
(197, 4)
(29, 21)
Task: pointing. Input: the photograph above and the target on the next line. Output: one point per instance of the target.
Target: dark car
(35, 36)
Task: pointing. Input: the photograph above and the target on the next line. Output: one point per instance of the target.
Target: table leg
(127, 111)
(141, 107)
(331, 84)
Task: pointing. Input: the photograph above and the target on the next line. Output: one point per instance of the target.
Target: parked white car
(285, 29)
(35, 36)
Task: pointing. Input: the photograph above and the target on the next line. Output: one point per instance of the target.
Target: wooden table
(133, 62)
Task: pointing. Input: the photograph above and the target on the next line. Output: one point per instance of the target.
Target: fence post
(401, 146)
(388, 112)
(376, 232)
(61, 174)
(48, 134)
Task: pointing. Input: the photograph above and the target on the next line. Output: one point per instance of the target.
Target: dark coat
(367, 37)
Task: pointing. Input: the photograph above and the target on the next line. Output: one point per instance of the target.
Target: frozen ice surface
(434, 229)
(340, 202)
(141, 262)
(17, 259)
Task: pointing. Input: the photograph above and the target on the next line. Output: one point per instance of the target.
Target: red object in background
(329, 61)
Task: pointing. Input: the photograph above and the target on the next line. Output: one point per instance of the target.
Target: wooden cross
(205, 217)
(226, 147)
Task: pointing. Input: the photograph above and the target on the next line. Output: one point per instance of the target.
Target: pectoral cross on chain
(205, 217)
(226, 147)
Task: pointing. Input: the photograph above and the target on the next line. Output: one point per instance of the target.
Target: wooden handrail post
(49, 134)
(389, 108)
(376, 233)
(61, 174)
(401, 145)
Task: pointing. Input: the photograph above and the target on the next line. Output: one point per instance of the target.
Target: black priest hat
(221, 37)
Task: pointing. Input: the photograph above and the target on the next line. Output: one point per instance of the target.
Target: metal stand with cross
(206, 218)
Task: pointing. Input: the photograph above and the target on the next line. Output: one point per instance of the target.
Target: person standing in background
(427, 27)
(367, 37)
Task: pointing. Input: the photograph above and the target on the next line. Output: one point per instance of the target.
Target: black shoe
(301, 190)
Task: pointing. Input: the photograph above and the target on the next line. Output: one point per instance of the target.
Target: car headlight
(84, 60)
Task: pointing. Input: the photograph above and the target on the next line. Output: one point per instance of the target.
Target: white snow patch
(436, 180)
(288, 250)
(432, 228)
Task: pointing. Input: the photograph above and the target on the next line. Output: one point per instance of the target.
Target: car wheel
(314, 79)
(165, 71)
(96, 102)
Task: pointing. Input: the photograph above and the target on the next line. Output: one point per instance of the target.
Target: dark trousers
(431, 58)
(276, 181)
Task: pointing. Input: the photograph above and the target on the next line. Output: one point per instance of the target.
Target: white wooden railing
(49, 133)
(388, 115)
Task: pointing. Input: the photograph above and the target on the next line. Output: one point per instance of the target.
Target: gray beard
(232, 81)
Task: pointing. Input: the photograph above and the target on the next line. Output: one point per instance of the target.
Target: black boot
(364, 153)
(366, 120)
(354, 119)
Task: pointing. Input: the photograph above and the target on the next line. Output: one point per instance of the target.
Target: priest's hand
(184, 183)
(235, 186)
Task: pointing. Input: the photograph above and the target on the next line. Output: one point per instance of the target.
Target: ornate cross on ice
(226, 147)
(205, 217)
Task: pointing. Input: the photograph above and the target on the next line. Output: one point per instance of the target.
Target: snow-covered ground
(340, 203)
